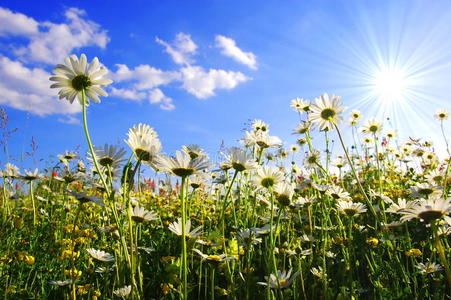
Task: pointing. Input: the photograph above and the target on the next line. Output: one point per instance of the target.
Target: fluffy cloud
(28, 89)
(130, 94)
(181, 50)
(154, 96)
(54, 42)
(69, 119)
(202, 84)
(157, 96)
(16, 23)
(230, 49)
(145, 76)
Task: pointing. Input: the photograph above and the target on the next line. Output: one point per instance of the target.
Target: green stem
(357, 177)
(184, 268)
(88, 139)
(32, 202)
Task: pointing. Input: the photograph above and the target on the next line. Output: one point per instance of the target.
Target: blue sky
(198, 71)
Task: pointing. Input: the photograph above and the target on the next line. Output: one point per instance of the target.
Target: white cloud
(230, 49)
(56, 41)
(16, 23)
(28, 89)
(181, 50)
(202, 84)
(131, 94)
(157, 96)
(69, 119)
(147, 77)
(154, 96)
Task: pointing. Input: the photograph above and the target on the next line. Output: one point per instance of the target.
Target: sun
(390, 85)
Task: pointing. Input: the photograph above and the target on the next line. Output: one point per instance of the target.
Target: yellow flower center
(431, 215)
(106, 161)
(183, 172)
(81, 82)
(328, 113)
(267, 182)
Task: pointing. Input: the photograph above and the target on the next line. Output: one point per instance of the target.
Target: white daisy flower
(143, 140)
(239, 159)
(176, 228)
(76, 75)
(182, 164)
(285, 279)
(326, 112)
(100, 255)
(123, 292)
(441, 114)
(372, 126)
(350, 208)
(214, 258)
(268, 176)
(139, 214)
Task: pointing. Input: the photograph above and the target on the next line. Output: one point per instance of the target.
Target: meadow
(267, 221)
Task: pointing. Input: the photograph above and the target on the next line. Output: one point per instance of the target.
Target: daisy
(326, 112)
(139, 214)
(294, 148)
(197, 180)
(268, 176)
(259, 125)
(176, 227)
(391, 133)
(301, 202)
(182, 165)
(338, 193)
(318, 272)
(11, 171)
(110, 156)
(239, 159)
(302, 128)
(313, 159)
(194, 151)
(435, 177)
(300, 105)
(441, 114)
(68, 155)
(402, 205)
(352, 122)
(261, 139)
(425, 190)
(281, 281)
(214, 258)
(123, 292)
(61, 283)
(372, 126)
(100, 255)
(284, 193)
(351, 209)
(76, 75)
(356, 115)
(83, 198)
(427, 210)
(247, 237)
(144, 142)
(339, 162)
(429, 267)
(31, 175)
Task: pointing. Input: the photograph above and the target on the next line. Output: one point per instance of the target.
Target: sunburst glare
(390, 84)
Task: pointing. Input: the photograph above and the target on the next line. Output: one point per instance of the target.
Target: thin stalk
(32, 202)
(444, 137)
(356, 177)
(88, 139)
(184, 267)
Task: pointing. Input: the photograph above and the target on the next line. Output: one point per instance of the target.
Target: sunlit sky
(198, 71)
